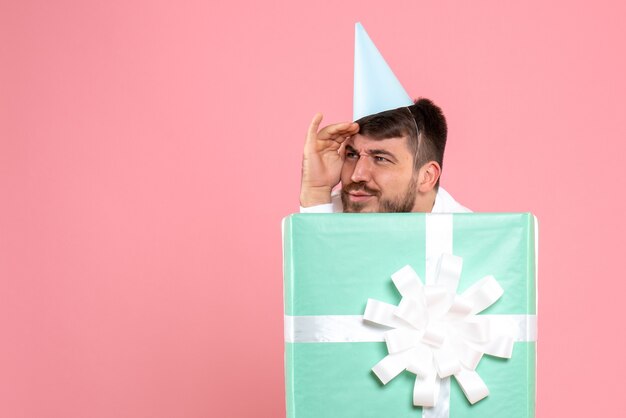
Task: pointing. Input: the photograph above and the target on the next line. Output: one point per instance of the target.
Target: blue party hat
(376, 88)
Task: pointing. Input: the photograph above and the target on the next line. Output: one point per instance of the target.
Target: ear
(428, 176)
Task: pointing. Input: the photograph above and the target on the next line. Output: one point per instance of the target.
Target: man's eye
(380, 159)
(351, 155)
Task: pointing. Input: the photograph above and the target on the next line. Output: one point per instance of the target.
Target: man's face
(377, 175)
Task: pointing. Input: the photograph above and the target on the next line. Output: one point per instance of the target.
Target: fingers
(339, 131)
(315, 125)
(342, 128)
(336, 133)
(342, 151)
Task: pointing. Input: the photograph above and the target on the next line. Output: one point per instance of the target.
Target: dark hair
(428, 143)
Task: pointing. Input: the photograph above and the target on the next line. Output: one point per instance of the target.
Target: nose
(362, 171)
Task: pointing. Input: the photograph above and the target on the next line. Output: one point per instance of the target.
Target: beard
(402, 203)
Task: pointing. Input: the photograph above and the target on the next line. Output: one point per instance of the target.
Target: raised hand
(322, 160)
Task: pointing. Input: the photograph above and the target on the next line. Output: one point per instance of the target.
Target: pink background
(149, 149)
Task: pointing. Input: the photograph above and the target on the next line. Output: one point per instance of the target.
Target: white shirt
(444, 203)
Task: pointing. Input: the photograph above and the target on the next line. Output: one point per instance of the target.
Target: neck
(425, 201)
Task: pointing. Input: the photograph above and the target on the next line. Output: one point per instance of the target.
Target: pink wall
(149, 149)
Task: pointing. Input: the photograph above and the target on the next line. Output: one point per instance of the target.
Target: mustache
(359, 187)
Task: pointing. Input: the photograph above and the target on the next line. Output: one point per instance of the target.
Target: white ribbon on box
(437, 334)
(433, 332)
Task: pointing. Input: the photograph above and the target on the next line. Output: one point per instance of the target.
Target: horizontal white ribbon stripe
(352, 328)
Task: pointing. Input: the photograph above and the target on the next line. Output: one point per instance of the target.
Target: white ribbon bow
(436, 333)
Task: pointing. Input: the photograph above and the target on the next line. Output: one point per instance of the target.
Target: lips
(359, 196)
(358, 193)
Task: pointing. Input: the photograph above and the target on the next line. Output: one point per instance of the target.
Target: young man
(386, 162)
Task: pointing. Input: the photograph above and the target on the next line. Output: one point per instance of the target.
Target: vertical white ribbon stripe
(438, 241)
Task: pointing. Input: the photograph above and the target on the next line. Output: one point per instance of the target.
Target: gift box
(409, 315)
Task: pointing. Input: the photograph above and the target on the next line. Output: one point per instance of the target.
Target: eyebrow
(373, 152)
